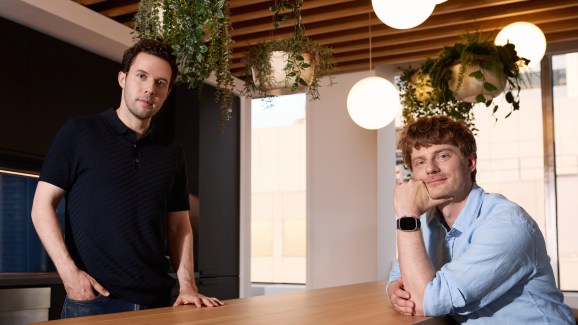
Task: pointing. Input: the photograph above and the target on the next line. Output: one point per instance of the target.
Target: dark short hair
(153, 47)
(439, 129)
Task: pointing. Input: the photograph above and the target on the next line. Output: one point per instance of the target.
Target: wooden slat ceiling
(346, 26)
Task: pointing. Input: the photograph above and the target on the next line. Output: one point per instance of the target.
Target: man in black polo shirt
(126, 200)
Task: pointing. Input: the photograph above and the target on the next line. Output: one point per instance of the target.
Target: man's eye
(443, 156)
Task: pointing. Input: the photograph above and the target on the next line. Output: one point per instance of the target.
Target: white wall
(345, 234)
(386, 145)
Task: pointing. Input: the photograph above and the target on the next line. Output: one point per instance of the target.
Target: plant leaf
(478, 74)
(488, 65)
(489, 87)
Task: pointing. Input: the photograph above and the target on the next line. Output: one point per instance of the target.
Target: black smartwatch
(408, 223)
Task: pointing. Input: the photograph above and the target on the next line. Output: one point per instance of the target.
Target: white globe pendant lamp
(403, 14)
(528, 38)
(373, 103)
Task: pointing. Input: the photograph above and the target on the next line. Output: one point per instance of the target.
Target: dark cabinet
(66, 82)
(223, 287)
(44, 83)
(13, 90)
(191, 116)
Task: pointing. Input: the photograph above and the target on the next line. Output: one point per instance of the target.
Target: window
(278, 175)
(511, 151)
(565, 94)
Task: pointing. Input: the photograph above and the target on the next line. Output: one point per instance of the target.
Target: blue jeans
(99, 305)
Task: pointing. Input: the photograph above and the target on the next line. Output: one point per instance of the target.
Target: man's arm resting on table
(78, 284)
(412, 199)
(415, 266)
(180, 240)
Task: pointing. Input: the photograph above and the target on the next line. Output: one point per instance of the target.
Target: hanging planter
(481, 80)
(301, 67)
(279, 78)
(464, 74)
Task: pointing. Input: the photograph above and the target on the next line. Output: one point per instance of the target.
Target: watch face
(408, 223)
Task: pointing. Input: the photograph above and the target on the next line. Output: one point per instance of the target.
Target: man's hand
(193, 297)
(81, 286)
(412, 198)
(400, 299)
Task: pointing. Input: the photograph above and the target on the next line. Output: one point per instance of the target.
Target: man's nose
(150, 88)
(432, 167)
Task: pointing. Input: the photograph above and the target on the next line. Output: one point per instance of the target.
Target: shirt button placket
(136, 154)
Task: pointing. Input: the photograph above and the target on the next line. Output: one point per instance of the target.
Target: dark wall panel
(213, 160)
(219, 177)
(67, 82)
(13, 84)
(45, 82)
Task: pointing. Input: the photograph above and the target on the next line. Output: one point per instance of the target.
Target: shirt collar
(114, 122)
(468, 214)
(117, 126)
(471, 211)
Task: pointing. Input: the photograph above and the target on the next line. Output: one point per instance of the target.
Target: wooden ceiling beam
(120, 10)
(344, 26)
(249, 15)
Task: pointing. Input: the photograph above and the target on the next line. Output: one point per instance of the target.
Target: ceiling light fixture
(528, 38)
(403, 14)
(373, 102)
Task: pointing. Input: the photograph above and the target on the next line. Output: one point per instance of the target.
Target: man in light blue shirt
(461, 251)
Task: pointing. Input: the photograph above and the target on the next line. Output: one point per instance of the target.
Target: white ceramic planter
(472, 87)
(278, 78)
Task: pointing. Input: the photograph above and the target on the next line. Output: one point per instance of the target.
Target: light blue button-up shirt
(491, 267)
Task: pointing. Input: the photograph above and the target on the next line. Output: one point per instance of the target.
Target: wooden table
(365, 304)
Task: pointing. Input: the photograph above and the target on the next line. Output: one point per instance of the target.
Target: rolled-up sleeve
(487, 263)
(394, 274)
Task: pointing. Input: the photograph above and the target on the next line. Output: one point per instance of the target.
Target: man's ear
(472, 162)
(121, 79)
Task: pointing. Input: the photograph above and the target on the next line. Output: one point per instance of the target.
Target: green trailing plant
(258, 57)
(472, 49)
(199, 33)
(419, 98)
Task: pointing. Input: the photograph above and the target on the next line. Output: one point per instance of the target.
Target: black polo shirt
(118, 193)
